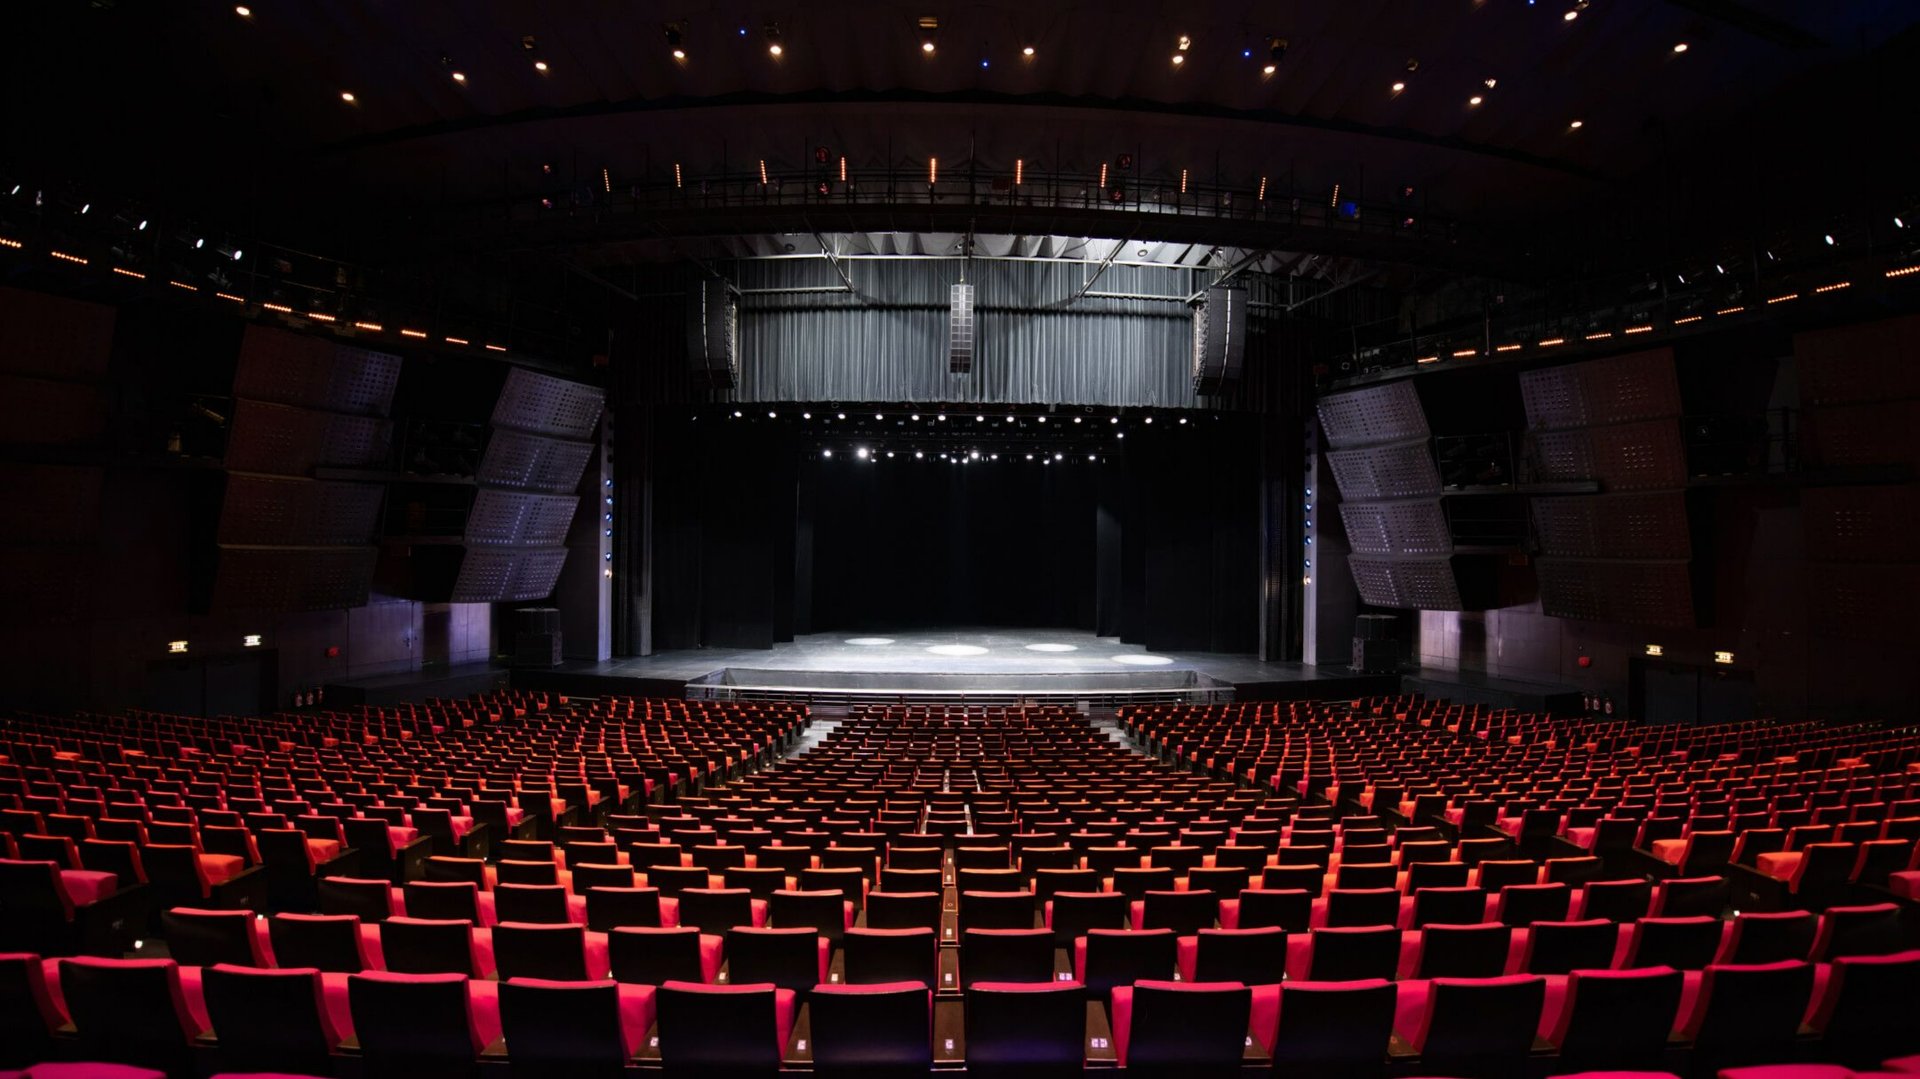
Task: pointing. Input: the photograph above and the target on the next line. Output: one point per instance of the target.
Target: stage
(984, 665)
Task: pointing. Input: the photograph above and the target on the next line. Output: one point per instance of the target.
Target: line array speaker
(960, 334)
(1219, 339)
(713, 335)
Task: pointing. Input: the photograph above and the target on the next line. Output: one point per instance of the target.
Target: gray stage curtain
(890, 343)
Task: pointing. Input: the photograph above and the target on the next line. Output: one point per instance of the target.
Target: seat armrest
(1100, 1050)
(799, 1052)
(949, 1032)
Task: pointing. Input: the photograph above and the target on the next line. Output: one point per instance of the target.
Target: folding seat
(1183, 912)
(723, 1029)
(899, 857)
(851, 882)
(442, 870)
(1493, 875)
(1681, 943)
(1685, 896)
(368, 900)
(1105, 859)
(181, 875)
(1179, 858)
(1573, 871)
(428, 946)
(990, 880)
(716, 910)
(1874, 929)
(1762, 937)
(1352, 875)
(1421, 875)
(1335, 1029)
(1879, 859)
(1287, 908)
(1351, 954)
(520, 871)
(294, 864)
(1615, 900)
(129, 1011)
(1864, 1014)
(548, 903)
(1048, 882)
(894, 879)
(201, 938)
(825, 912)
(413, 1025)
(1475, 1026)
(1412, 851)
(1248, 956)
(1006, 955)
(57, 911)
(117, 856)
(903, 910)
(442, 899)
(1181, 1028)
(1225, 881)
(892, 955)
(1308, 878)
(862, 859)
(1317, 855)
(997, 910)
(1525, 904)
(325, 942)
(671, 880)
(1449, 906)
(652, 955)
(1074, 913)
(1747, 1014)
(567, 1028)
(789, 958)
(1561, 947)
(1236, 856)
(1105, 958)
(1135, 882)
(1036, 859)
(1351, 907)
(884, 1029)
(644, 856)
(1816, 875)
(1463, 951)
(1616, 1019)
(1472, 852)
(270, 1020)
(972, 857)
(553, 952)
(57, 849)
(28, 1017)
(1021, 1029)
(587, 877)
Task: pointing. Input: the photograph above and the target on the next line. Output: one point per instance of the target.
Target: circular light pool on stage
(957, 650)
(870, 641)
(1053, 648)
(1133, 660)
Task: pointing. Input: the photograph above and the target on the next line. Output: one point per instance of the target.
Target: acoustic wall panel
(288, 441)
(293, 578)
(520, 519)
(516, 575)
(49, 504)
(1648, 455)
(1635, 592)
(314, 372)
(1862, 524)
(44, 412)
(47, 583)
(545, 405)
(533, 462)
(1406, 582)
(1863, 601)
(51, 336)
(1875, 361)
(1370, 416)
(1861, 435)
(1618, 389)
(1415, 526)
(1400, 470)
(1645, 526)
(293, 512)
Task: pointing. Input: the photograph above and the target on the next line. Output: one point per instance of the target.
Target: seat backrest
(412, 1023)
(128, 1010)
(716, 910)
(1562, 947)
(1480, 1019)
(903, 910)
(27, 1014)
(1350, 907)
(269, 1020)
(1183, 912)
(1006, 955)
(327, 942)
(610, 908)
(1682, 943)
(1616, 900)
(368, 900)
(868, 1028)
(1248, 956)
(788, 958)
(1105, 958)
(1872, 929)
(1334, 1028)
(720, 1027)
(540, 950)
(876, 956)
(1864, 1014)
(1290, 909)
(824, 912)
(1452, 906)
(428, 945)
(563, 1027)
(542, 903)
(652, 955)
(1749, 1012)
(1464, 951)
(1025, 1028)
(1768, 937)
(442, 899)
(1165, 1024)
(1617, 1018)
(202, 938)
(1348, 954)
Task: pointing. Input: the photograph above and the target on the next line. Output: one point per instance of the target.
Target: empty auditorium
(1339, 539)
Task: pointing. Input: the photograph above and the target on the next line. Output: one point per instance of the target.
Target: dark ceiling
(1772, 114)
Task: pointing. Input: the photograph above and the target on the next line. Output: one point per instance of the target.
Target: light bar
(458, 341)
(1784, 299)
(7, 241)
(1466, 352)
(1428, 359)
(280, 307)
(184, 285)
(763, 171)
(230, 296)
(1601, 336)
(372, 327)
(1904, 271)
(496, 348)
(413, 333)
(124, 272)
(1506, 348)
(1551, 341)
(319, 316)
(1835, 287)
(64, 257)
(1639, 329)
(676, 174)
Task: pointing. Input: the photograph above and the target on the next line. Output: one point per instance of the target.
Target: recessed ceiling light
(1399, 86)
(1179, 58)
(1268, 70)
(243, 11)
(1491, 83)
(926, 46)
(540, 66)
(459, 77)
(679, 54)
(1028, 51)
(1571, 15)
(1680, 47)
(347, 96)
(774, 49)
(1475, 99)
(1577, 124)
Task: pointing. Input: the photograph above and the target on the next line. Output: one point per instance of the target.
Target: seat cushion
(1670, 851)
(86, 886)
(324, 850)
(1778, 864)
(218, 868)
(1905, 884)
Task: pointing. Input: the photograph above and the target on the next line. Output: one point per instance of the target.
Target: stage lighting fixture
(1577, 125)
(1179, 58)
(1121, 434)
(1009, 419)
(889, 453)
(176, 647)
(806, 415)
(826, 453)
(861, 453)
(933, 171)
(1089, 456)
(1262, 196)
(459, 77)
(915, 417)
(1059, 456)
(243, 11)
(772, 34)
(1043, 419)
(1680, 47)
(676, 41)
(974, 456)
(979, 419)
(1829, 238)
(676, 174)
(929, 30)
(1114, 419)
(1475, 99)
(1183, 181)
(763, 172)
(773, 415)
(941, 417)
(347, 96)
(1656, 650)
(878, 416)
(1019, 171)
(1399, 86)
(1571, 15)
(1076, 419)
(1183, 419)
(1149, 419)
(1334, 200)
(251, 640)
(1897, 223)
(540, 66)
(917, 455)
(1027, 52)
(736, 413)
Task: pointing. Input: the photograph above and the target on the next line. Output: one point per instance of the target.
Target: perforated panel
(314, 372)
(47, 584)
(545, 405)
(508, 575)
(518, 518)
(1403, 470)
(1412, 527)
(298, 512)
(288, 441)
(1389, 413)
(1863, 601)
(293, 578)
(530, 462)
(42, 412)
(1862, 524)
(49, 504)
(1418, 583)
(1634, 592)
(1861, 436)
(1628, 456)
(1878, 361)
(1613, 526)
(1618, 389)
(54, 337)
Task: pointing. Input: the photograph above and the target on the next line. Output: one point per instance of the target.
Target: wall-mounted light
(251, 640)
(176, 647)
(1723, 657)
(1656, 650)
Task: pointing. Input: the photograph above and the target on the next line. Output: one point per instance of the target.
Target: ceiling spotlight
(540, 66)
(806, 415)
(926, 46)
(826, 453)
(1184, 43)
(1491, 83)
(1571, 15)
(1577, 125)
(1897, 223)
(861, 453)
(347, 96)
(1399, 86)
(1680, 47)
(1027, 52)
(243, 11)
(1829, 238)
(1179, 58)
(772, 34)
(1114, 419)
(676, 40)
(459, 77)
(1475, 99)
(979, 419)
(679, 54)
(1268, 70)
